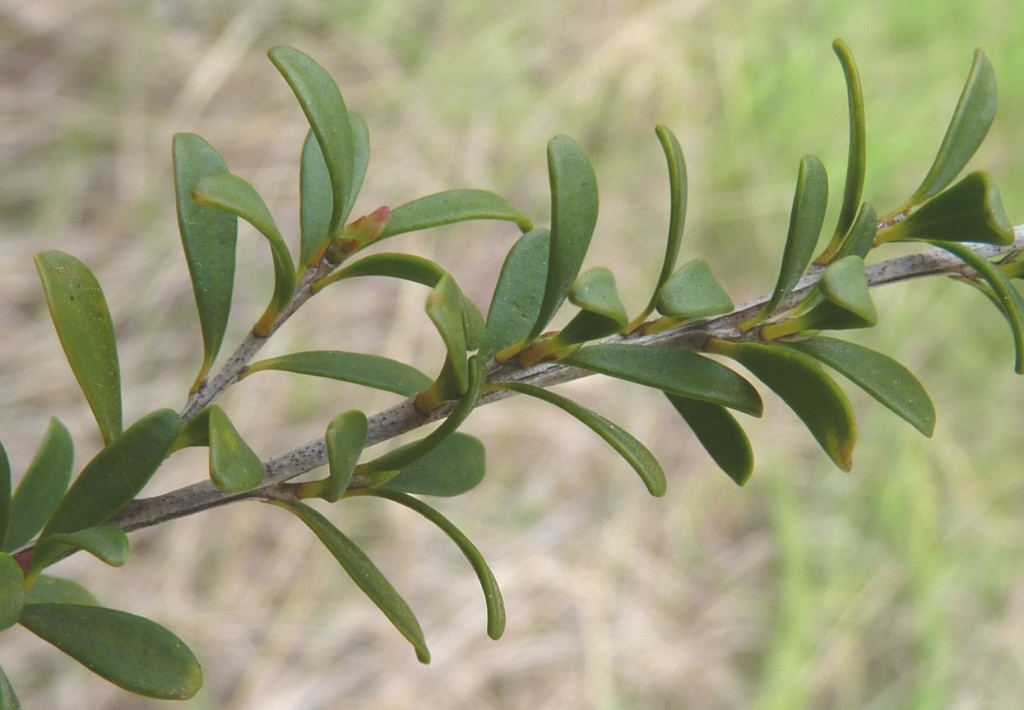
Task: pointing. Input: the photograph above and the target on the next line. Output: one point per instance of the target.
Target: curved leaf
(325, 110)
(845, 284)
(720, 435)
(234, 466)
(345, 437)
(12, 594)
(883, 378)
(195, 432)
(627, 446)
(574, 206)
(492, 594)
(368, 370)
(453, 468)
(692, 292)
(360, 158)
(861, 235)
(671, 370)
(316, 201)
(129, 651)
(42, 486)
(107, 543)
(208, 237)
(601, 314)
(8, 699)
(364, 573)
(449, 207)
(517, 297)
(82, 319)
(57, 590)
(445, 310)
(801, 383)
(116, 474)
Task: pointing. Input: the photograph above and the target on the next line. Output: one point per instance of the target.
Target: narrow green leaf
(368, 370)
(450, 207)
(861, 235)
(316, 201)
(692, 292)
(444, 308)
(82, 319)
(628, 447)
(116, 474)
(517, 297)
(407, 267)
(8, 699)
(360, 158)
(233, 194)
(801, 383)
(453, 468)
(5, 496)
(325, 110)
(671, 370)
(879, 375)
(364, 573)
(492, 594)
(574, 206)
(208, 237)
(720, 435)
(346, 436)
(57, 590)
(129, 651)
(970, 211)
(12, 594)
(107, 543)
(1005, 293)
(42, 486)
(234, 466)
(601, 314)
(967, 129)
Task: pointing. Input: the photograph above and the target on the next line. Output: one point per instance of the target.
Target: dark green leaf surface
(345, 437)
(360, 157)
(12, 595)
(8, 699)
(129, 651)
(492, 594)
(234, 466)
(116, 474)
(602, 312)
(195, 433)
(445, 310)
(574, 206)
(325, 110)
(106, 543)
(856, 161)
(720, 435)
(845, 284)
(368, 370)
(883, 378)
(57, 590)
(861, 236)
(693, 292)
(450, 207)
(364, 573)
(42, 486)
(208, 237)
(671, 370)
(628, 447)
(453, 468)
(515, 305)
(82, 319)
(316, 200)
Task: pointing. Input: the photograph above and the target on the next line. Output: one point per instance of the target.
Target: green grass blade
(364, 573)
(82, 320)
(515, 305)
(134, 653)
(671, 370)
(12, 593)
(368, 370)
(234, 466)
(42, 486)
(450, 207)
(453, 468)
(720, 434)
(692, 292)
(628, 447)
(208, 238)
(316, 201)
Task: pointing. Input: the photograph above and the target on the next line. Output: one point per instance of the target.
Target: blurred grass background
(900, 585)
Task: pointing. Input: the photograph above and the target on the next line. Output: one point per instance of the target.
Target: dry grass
(898, 586)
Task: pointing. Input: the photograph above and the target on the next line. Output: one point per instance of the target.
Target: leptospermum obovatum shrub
(776, 339)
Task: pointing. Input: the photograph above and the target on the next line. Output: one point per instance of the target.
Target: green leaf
(42, 486)
(845, 284)
(720, 435)
(80, 315)
(360, 157)
(57, 590)
(129, 651)
(346, 436)
(107, 543)
(116, 474)
(602, 312)
(453, 468)
(692, 292)
(883, 378)
(208, 237)
(450, 207)
(364, 573)
(970, 211)
(628, 447)
(196, 432)
(5, 495)
(407, 267)
(573, 218)
(1005, 294)
(515, 305)
(801, 383)
(492, 594)
(805, 221)
(445, 310)
(12, 595)
(325, 110)
(233, 194)
(861, 235)
(234, 466)
(671, 370)
(368, 370)
(8, 699)
(316, 201)
(967, 129)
